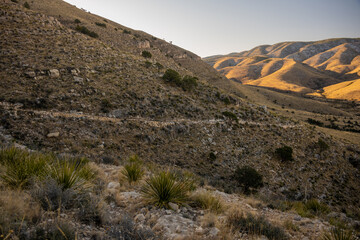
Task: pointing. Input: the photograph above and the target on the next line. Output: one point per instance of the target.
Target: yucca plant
(71, 174)
(22, 166)
(205, 200)
(338, 234)
(162, 188)
(133, 171)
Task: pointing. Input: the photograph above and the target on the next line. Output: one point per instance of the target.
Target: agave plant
(163, 188)
(133, 170)
(338, 234)
(71, 174)
(21, 166)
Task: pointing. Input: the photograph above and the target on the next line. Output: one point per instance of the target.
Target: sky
(211, 27)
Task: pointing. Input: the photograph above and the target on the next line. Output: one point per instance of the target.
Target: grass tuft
(338, 234)
(133, 171)
(206, 200)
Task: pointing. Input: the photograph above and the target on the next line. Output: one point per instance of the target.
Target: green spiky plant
(338, 234)
(133, 171)
(162, 188)
(73, 173)
(22, 166)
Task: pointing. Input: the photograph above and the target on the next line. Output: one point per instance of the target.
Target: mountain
(74, 84)
(303, 67)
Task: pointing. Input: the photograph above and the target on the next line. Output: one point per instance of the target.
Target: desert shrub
(338, 234)
(26, 5)
(315, 122)
(162, 188)
(255, 225)
(212, 156)
(126, 229)
(322, 145)
(15, 1)
(284, 153)
(148, 64)
(159, 65)
(86, 31)
(59, 230)
(70, 173)
(146, 54)
(106, 106)
(17, 213)
(248, 178)
(230, 115)
(126, 31)
(189, 83)
(77, 21)
(205, 200)
(316, 207)
(100, 24)
(22, 166)
(133, 171)
(172, 76)
(90, 209)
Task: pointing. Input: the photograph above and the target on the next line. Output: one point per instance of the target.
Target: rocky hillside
(305, 67)
(104, 97)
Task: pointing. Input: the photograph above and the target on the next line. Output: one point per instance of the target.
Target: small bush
(55, 231)
(100, 24)
(148, 64)
(86, 31)
(189, 83)
(26, 5)
(316, 207)
(212, 156)
(284, 153)
(146, 54)
(52, 196)
(133, 170)
(205, 200)
(323, 146)
(338, 234)
(162, 189)
(159, 65)
(172, 76)
(315, 122)
(253, 225)
(77, 21)
(106, 106)
(15, 1)
(230, 115)
(126, 31)
(248, 178)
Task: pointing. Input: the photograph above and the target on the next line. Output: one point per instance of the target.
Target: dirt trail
(155, 123)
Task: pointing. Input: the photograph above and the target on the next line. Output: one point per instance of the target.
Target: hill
(303, 67)
(74, 85)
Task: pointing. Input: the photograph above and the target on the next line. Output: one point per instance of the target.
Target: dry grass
(17, 210)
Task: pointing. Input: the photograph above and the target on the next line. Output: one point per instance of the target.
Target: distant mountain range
(328, 68)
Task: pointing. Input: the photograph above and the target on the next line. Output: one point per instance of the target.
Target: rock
(30, 74)
(53, 135)
(139, 218)
(214, 232)
(297, 218)
(174, 206)
(113, 185)
(199, 230)
(78, 80)
(54, 73)
(144, 44)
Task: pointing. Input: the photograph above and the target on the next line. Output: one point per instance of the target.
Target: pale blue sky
(209, 27)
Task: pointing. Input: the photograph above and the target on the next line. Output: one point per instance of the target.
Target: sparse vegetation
(162, 188)
(315, 122)
(106, 106)
(133, 171)
(86, 31)
(323, 146)
(189, 83)
(248, 178)
(172, 76)
(148, 64)
(146, 54)
(255, 225)
(77, 21)
(126, 31)
(284, 153)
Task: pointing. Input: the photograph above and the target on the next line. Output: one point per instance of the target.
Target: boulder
(54, 73)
